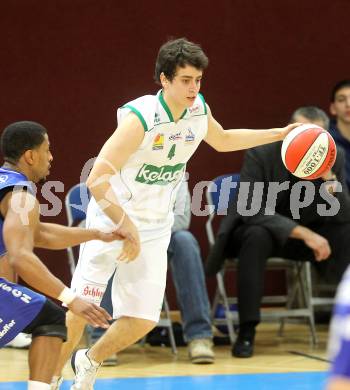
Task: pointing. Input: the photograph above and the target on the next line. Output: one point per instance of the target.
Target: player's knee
(183, 238)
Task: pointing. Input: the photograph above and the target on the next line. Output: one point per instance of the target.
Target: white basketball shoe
(85, 370)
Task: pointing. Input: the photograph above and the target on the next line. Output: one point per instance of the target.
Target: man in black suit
(308, 220)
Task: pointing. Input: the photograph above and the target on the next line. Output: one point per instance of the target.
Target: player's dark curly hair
(178, 52)
(18, 137)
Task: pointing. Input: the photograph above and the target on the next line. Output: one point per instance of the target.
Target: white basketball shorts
(138, 286)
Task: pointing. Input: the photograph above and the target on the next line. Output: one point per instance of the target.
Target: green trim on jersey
(165, 106)
(183, 114)
(167, 109)
(204, 104)
(138, 114)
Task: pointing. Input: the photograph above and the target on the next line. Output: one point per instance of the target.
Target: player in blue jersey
(26, 151)
(339, 341)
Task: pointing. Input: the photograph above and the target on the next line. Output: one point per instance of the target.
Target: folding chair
(220, 192)
(76, 202)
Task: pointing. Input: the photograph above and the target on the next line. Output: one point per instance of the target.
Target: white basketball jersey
(146, 186)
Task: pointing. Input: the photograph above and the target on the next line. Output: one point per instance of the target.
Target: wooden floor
(272, 355)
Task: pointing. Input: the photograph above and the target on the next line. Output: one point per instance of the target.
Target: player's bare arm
(21, 213)
(112, 157)
(19, 229)
(238, 139)
(54, 236)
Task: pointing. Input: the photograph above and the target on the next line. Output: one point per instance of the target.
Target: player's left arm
(238, 139)
(54, 236)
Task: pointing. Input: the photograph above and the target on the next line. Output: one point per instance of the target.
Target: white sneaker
(22, 340)
(85, 370)
(56, 382)
(201, 351)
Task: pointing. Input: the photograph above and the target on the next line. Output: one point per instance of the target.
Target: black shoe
(243, 347)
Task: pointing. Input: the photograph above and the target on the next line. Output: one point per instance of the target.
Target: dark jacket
(345, 144)
(264, 164)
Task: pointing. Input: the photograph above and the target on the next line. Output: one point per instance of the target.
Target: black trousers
(254, 244)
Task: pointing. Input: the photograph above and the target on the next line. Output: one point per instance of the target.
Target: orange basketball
(308, 151)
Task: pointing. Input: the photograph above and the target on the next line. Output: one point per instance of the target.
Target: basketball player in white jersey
(133, 184)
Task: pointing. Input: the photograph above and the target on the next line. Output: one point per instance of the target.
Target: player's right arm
(21, 219)
(239, 139)
(114, 154)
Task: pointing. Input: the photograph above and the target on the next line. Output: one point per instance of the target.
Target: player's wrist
(99, 234)
(66, 296)
(300, 232)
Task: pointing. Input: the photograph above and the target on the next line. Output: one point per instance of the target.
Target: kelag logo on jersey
(150, 174)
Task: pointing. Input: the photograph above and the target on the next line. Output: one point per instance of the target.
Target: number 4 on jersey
(171, 153)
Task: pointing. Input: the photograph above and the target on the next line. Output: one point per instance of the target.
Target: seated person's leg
(188, 275)
(255, 246)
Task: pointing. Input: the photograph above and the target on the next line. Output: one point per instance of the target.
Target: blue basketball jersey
(18, 308)
(339, 341)
(10, 179)
(18, 305)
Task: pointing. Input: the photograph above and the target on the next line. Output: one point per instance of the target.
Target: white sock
(35, 385)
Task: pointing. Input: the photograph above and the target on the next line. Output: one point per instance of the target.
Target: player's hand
(93, 314)
(285, 130)
(318, 244)
(131, 244)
